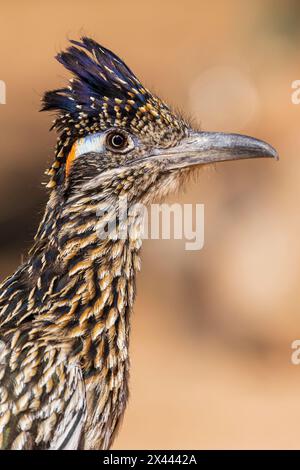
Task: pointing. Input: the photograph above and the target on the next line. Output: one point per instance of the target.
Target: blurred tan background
(212, 329)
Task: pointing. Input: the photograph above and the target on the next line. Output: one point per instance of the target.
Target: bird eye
(117, 141)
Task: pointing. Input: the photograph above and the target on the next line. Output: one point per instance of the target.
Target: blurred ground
(212, 330)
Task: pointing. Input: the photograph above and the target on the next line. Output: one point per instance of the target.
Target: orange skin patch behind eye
(70, 158)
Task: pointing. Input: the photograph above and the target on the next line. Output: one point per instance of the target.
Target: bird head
(117, 138)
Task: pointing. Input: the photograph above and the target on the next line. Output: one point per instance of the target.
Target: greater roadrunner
(65, 313)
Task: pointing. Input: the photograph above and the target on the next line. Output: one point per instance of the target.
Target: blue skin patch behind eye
(90, 143)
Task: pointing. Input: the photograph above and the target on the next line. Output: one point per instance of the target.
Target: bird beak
(201, 148)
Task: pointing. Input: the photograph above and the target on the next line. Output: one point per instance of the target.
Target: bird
(65, 313)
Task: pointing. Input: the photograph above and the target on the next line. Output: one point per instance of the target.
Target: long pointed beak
(201, 148)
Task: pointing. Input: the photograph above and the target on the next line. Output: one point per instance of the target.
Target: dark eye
(117, 141)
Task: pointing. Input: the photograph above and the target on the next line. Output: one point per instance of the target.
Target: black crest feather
(97, 72)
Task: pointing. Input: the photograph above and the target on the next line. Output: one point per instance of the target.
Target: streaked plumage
(65, 313)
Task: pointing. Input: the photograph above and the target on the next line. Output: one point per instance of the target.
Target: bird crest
(103, 93)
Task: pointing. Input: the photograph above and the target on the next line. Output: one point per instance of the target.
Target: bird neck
(82, 287)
